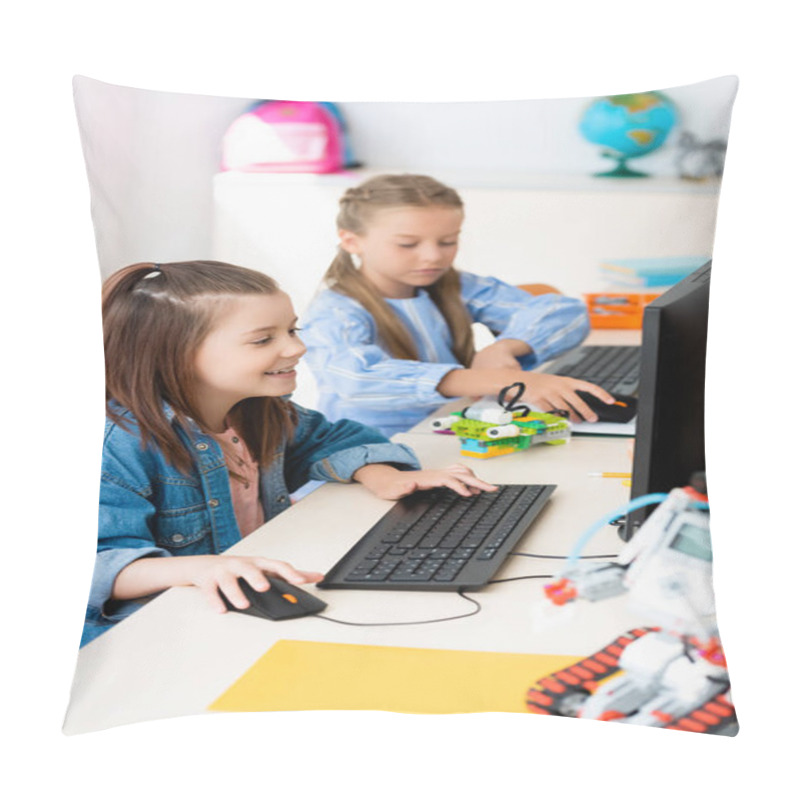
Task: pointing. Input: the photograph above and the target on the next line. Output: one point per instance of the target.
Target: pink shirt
(245, 494)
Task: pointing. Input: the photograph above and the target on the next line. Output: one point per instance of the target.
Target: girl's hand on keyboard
(557, 393)
(392, 484)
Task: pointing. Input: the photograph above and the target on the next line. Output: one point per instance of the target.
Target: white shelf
(476, 179)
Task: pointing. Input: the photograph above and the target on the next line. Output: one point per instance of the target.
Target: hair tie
(155, 272)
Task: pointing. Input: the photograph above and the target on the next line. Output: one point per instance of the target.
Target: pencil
(609, 474)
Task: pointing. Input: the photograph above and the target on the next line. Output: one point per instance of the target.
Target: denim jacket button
(178, 538)
(282, 498)
(213, 502)
(201, 446)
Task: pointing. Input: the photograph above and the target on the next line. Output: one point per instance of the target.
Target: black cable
(472, 600)
(520, 578)
(417, 622)
(535, 555)
(722, 681)
(686, 648)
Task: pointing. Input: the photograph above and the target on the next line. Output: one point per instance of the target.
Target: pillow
(612, 201)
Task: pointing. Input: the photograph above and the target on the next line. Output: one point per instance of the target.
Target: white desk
(175, 656)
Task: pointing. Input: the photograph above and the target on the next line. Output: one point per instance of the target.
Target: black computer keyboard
(614, 367)
(438, 540)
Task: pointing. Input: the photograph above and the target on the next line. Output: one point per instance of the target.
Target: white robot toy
(672, 674)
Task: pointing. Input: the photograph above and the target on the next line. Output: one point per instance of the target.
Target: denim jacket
(149, 508)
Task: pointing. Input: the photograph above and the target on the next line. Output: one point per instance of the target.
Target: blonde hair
(155, 317)
(356, 208)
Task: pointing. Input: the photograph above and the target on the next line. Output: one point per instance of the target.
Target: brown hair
(155, 318)
(355, 209)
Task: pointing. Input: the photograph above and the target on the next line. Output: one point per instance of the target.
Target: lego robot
(492, 428)
(670, 675)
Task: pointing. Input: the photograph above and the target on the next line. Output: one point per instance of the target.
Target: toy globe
(628, 126)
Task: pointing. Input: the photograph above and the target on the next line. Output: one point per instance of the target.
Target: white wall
(151, 156)
(533, 136)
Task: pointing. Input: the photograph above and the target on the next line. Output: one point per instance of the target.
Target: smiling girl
(390, 339)
(202, 445)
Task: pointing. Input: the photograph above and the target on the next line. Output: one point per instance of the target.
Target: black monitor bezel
(671, 411)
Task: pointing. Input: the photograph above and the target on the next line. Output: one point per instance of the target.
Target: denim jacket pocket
(177, 529)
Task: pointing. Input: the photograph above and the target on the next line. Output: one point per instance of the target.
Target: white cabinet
(521, 228)
(549, 229)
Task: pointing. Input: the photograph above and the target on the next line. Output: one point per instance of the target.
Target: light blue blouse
(358, 379)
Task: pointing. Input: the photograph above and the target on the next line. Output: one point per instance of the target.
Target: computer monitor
(670, 426)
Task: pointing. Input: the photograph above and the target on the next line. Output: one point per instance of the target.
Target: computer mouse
(623, 409)
(282, 600)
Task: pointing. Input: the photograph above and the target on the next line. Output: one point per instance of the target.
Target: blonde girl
(202, 444)
(390, 337)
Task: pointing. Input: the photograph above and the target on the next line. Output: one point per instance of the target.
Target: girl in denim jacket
(202, 445)
(390, 339)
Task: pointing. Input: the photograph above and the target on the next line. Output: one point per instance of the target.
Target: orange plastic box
(618, 309)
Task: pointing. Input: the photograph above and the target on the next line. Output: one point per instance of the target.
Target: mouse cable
(520, 578)
(472, 600)
(415, 622)
(536, 555)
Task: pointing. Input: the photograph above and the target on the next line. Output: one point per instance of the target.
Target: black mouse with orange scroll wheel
(283, 600)
(623, 409)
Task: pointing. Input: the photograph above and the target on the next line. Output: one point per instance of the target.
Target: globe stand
(622, 170)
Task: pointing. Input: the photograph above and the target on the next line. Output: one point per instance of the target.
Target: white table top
(175, 655)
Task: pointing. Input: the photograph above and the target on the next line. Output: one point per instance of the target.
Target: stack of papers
(642, 272)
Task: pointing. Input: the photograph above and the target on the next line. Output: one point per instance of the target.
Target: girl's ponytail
(446, 293)
(343, 276)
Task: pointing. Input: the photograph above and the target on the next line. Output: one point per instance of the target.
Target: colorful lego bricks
(486, 440)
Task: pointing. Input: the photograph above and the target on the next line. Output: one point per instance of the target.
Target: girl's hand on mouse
(221, 574)
(392, 484)
(502, 354)
(556, 392)
(211, 574)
